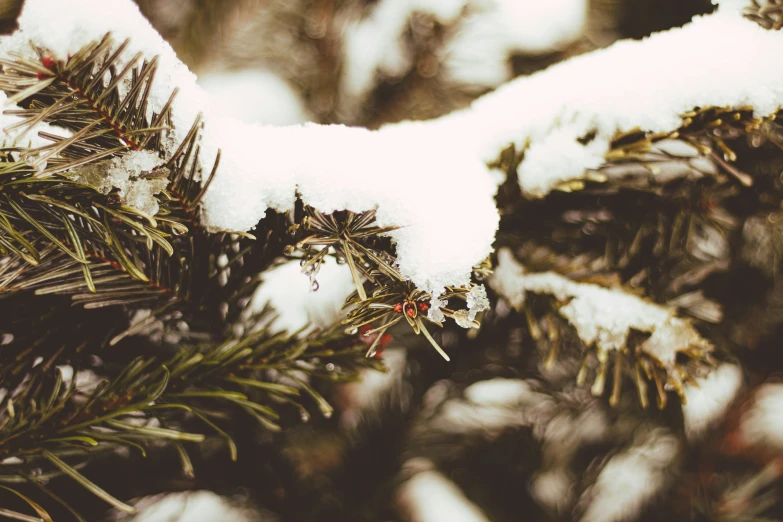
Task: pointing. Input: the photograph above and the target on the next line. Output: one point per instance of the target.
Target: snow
(763, 423)
(363, 398)
(374, 44)
(477, 301)
(601, 316)
(254, 96)
(127, 174)
(478, 52)
(499, 392)
(508, 279)
(191, 506)
(487, 33)
(553, 488)
(413, 178)
(429, 496)
(708, 400)
(630, 479)
(489, 407)
(731, 5)
(289, 292)
(646, 84)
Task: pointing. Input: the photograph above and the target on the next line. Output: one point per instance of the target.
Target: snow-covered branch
(431, 178)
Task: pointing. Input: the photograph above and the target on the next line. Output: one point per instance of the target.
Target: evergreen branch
(46, 419)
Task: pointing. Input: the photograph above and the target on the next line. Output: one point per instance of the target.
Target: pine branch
(66, 230)
(147, 400)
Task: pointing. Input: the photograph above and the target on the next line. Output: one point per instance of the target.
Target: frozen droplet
(222, 260)
(461, 318)
(304, 416)
(6, 338)
(477, 301)
(223, 278)
(327, 414)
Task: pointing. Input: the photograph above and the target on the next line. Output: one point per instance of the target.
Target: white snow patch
(631, 479)
(763, 424)
(361, 398)
(508, 279)
(191, 506)
(707, 402)
(431, 497)
(289, 292)
(254, 96)
(478, 52)
(553, 488)
(375, 45)
(459, 416)
(601, 316)
(731, 5)
(499, 392)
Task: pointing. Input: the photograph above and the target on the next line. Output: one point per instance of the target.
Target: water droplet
(304, 416)
(223, 278)
(330, 367)
(327, 414)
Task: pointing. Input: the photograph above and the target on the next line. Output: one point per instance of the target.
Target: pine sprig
(66, 231)
(148, 399)
(382, 294)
